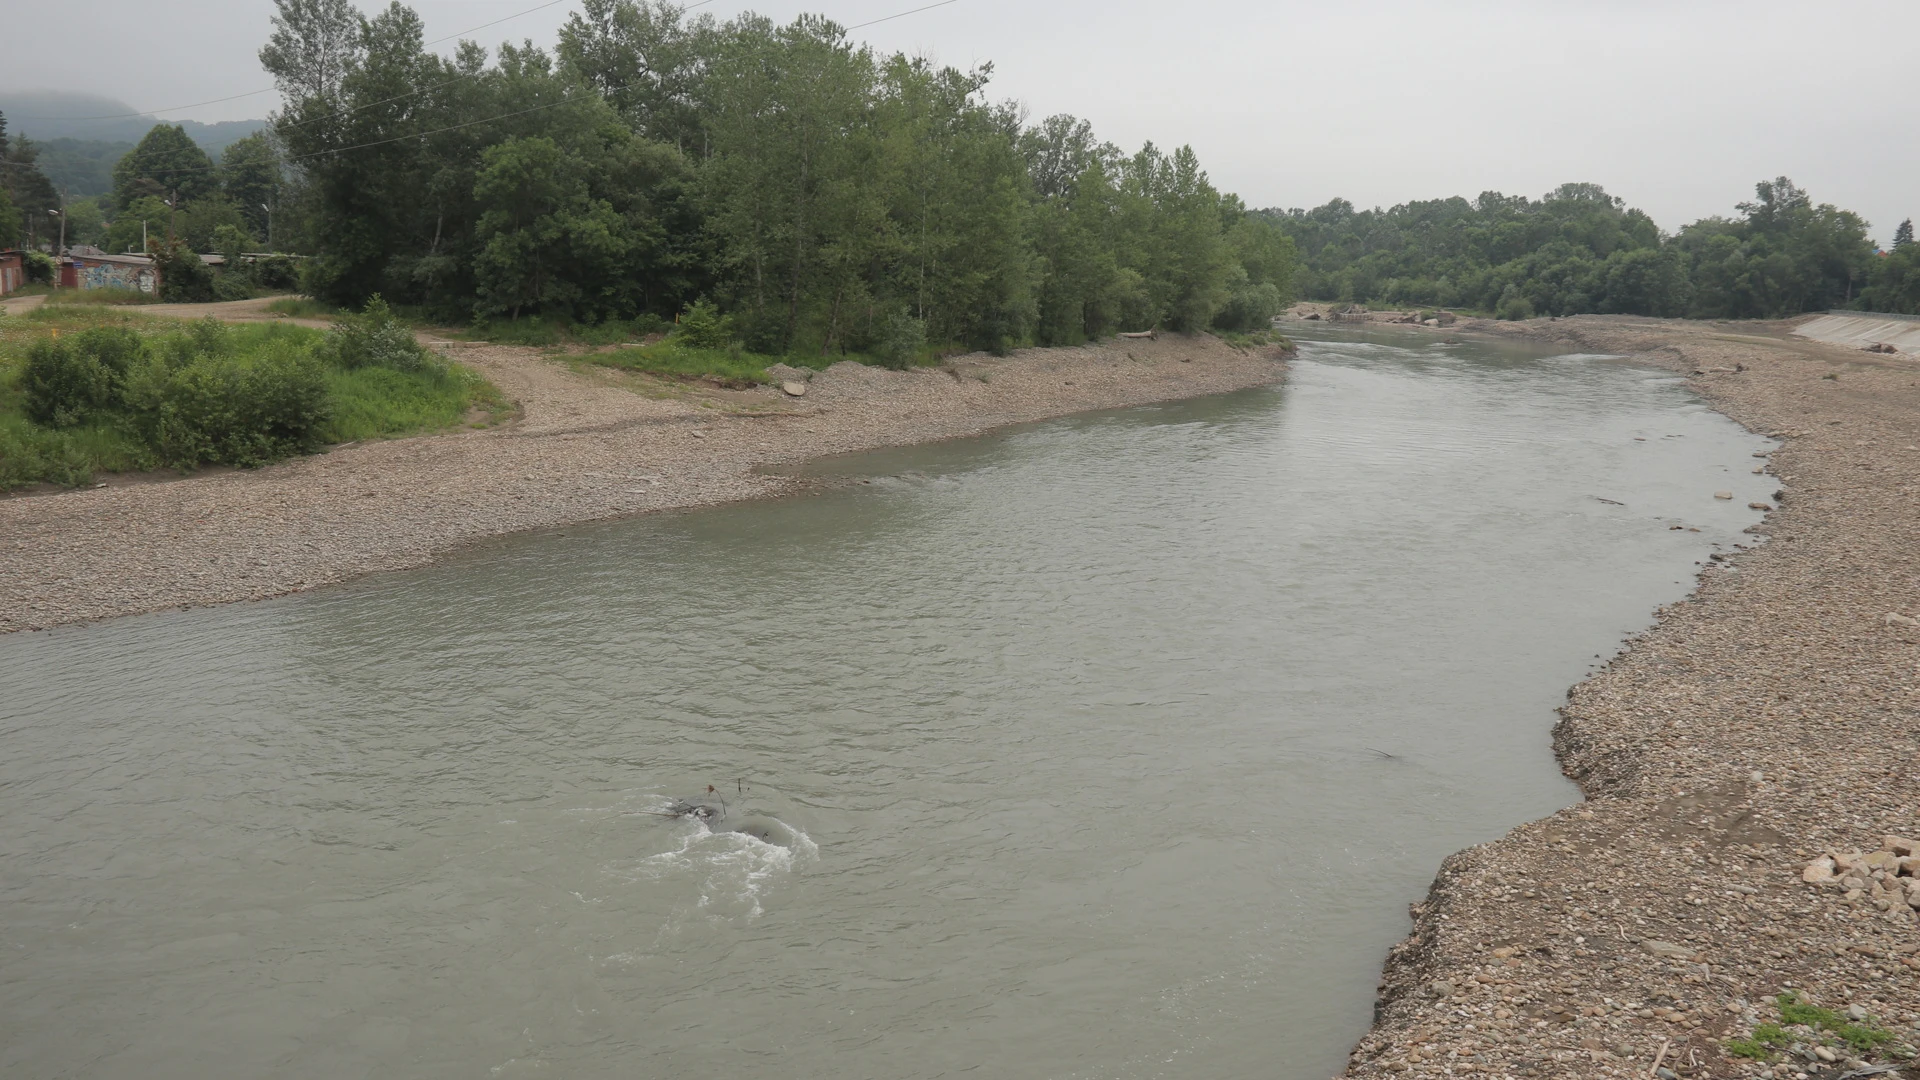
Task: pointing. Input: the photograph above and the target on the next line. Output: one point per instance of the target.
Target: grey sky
(1677, 106)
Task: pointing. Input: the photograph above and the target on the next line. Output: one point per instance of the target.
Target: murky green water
(1108, 747)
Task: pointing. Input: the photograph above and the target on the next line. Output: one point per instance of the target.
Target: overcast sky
(1677, 105)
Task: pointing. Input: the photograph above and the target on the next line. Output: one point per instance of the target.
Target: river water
(1114, 746)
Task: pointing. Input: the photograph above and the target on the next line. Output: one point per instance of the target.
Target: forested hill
(1580, 250)
(45, 115)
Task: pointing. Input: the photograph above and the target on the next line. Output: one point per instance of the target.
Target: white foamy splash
(734, 869)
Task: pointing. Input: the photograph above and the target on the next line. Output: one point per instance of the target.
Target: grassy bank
(87, 389)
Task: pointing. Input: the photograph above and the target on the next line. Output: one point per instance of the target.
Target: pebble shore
(1752, 771)
(589, 442)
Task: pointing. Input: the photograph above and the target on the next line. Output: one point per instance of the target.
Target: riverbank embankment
(589, 443)
(1752, 767)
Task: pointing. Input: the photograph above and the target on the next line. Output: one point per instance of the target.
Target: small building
(13, 271)
(134, 273)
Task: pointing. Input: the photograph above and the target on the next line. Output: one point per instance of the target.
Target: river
(1113, 746)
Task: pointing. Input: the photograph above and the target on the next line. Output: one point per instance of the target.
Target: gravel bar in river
(1752, 767)
(591, 442)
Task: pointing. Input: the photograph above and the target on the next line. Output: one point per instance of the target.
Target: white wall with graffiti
(114, 275)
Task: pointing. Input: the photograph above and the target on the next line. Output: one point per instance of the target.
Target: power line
(901, 15)
(496, 22)
(152, 112)
(424, 134)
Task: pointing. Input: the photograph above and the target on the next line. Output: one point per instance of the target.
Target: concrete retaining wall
(1860, 329)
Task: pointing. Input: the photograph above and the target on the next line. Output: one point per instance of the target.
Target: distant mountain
(80, 167)
(43, 115)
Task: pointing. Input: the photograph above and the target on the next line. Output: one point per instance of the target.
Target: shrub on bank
(213, 406)
(901, 339)
(374, 338)
(703, 327)
(70, 382)
(108, 396)
(34, 455)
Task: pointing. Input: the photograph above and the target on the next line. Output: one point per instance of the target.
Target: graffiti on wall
(116, 276)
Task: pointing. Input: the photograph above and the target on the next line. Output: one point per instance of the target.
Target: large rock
(794, 389)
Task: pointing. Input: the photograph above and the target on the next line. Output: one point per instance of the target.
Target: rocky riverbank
(1736, 898)
(590, 442)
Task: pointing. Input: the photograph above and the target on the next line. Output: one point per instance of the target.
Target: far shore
(589, 443)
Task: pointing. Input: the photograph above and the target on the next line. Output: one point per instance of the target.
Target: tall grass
(379, 403)
(101, 297)
(668, 358)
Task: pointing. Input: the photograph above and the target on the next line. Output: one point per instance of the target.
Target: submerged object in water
(697, 811)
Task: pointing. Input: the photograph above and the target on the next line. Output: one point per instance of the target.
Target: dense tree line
(26, 195)
(1579, 249)
(166, 186)
(823, 196)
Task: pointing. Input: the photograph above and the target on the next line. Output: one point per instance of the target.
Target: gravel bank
(1767, 721)
(590, 443)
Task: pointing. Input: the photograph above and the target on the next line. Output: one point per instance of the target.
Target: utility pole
(59, 251)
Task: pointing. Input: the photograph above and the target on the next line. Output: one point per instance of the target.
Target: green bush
(200, 393)
(703, 327)
(30, 455)
(232, 410)
(232, 284)
(1250, 305)
(648, 324)
(900, 340)
(65, 385)
(185, 278)
(374, 338)
(40, 268)
(1512, 306)
(276, 272)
